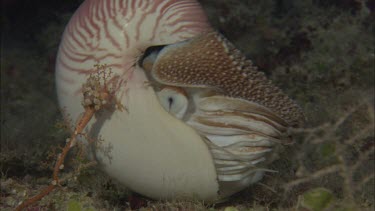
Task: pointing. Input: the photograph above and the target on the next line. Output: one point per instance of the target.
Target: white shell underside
(156, 154)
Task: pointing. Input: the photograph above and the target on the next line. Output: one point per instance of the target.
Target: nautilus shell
(201, 121)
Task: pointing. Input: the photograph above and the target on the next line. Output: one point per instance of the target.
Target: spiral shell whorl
(116, 32)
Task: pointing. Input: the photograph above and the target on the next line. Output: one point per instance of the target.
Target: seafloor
(320, 52)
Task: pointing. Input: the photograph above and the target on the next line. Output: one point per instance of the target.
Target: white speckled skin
(152, 152)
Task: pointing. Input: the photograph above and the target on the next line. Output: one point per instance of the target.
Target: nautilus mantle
(201, 122)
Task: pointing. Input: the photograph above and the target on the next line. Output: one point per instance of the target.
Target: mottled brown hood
(212, 61)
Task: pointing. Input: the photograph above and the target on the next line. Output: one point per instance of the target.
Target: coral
(345, 153)
(97, 95)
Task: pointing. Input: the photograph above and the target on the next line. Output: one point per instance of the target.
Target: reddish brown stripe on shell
(212, 61)
(220, 103)
(249, 116)
(216, 124)
(143, 18)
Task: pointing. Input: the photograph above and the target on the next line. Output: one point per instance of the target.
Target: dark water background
(319, 52)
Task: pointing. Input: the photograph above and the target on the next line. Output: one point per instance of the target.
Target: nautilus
(202, 122)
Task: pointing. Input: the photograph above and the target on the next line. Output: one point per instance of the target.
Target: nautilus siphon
(202, 122)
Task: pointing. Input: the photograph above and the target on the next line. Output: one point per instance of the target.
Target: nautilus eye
(173, 100)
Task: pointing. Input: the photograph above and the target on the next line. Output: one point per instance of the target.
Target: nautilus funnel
(202, 122)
